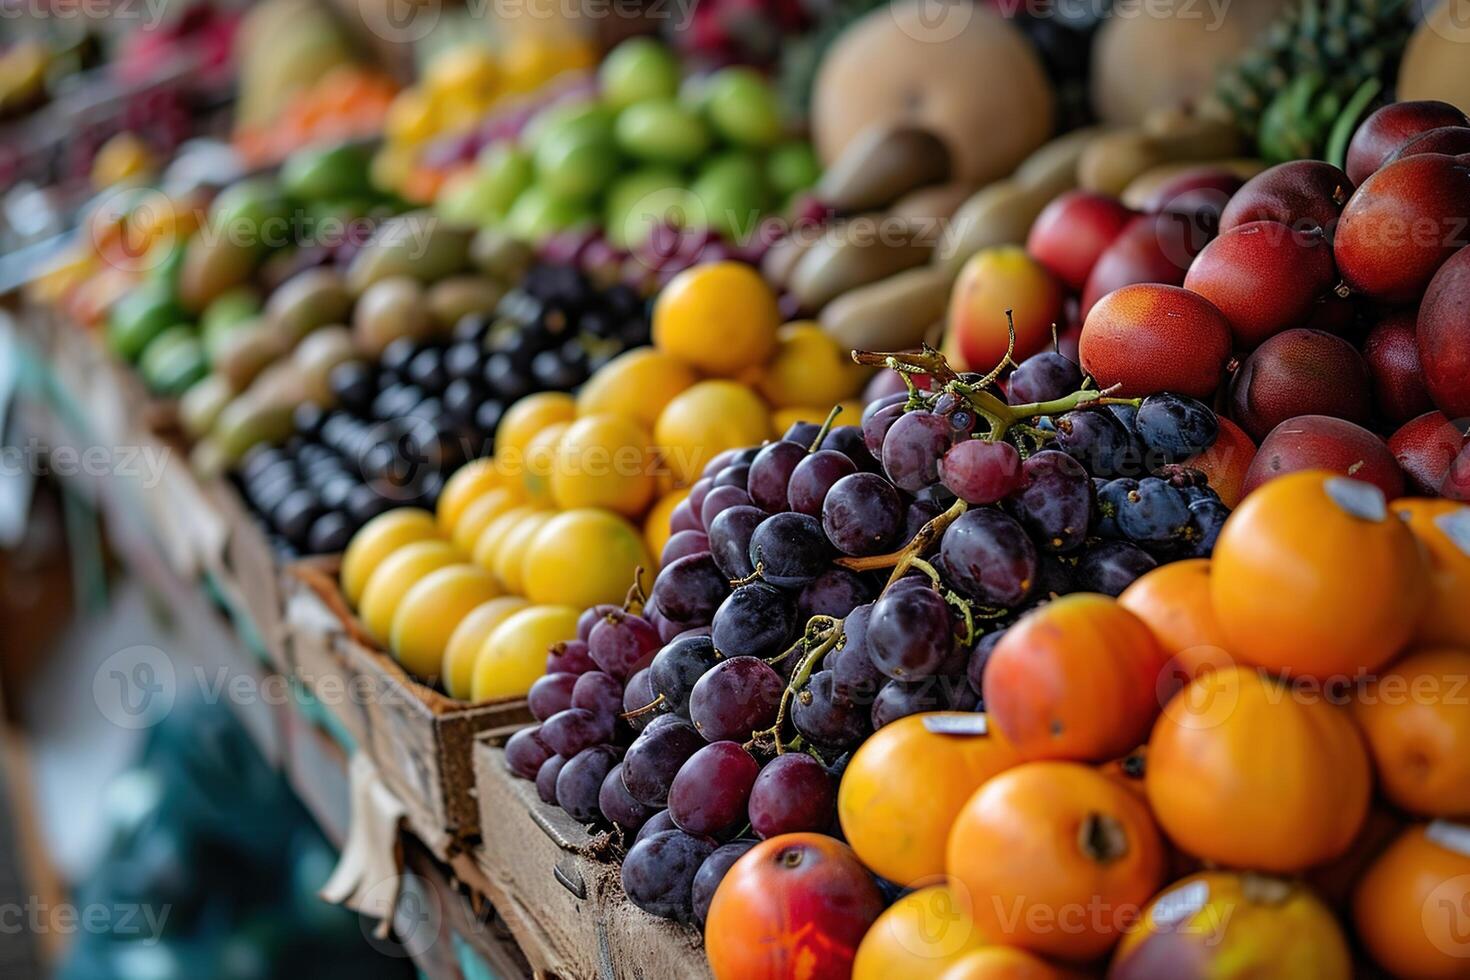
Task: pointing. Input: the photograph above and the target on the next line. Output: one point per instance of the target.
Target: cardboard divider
(559, 887)
(419, 738)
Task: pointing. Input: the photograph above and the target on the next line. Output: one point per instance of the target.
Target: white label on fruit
(1451, 836)
(974, 723)
(1362, 500)
(1181, 903)
(1456, 527)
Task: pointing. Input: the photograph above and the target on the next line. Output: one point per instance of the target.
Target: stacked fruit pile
(393, 431)
(569, 476)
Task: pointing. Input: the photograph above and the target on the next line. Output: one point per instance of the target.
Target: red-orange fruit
(1150, 337)
(1425, 448)
(1392, 355)
(1073, 231)
(1226, 462)
(1264, 276)
(1303, 194)
(1384, 132)
(1444, 335)
(1320, 442)
(1401, 226)
(1300, 372)
(1451, 140)
(1152, 248)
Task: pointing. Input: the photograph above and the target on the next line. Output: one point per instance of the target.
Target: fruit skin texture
(810, 368)
(467, 485)
(794, 905)
(514, 655)
(1425, 449)
(430, 612)
(1152, 248)
(1302, 586)
(1444, 336)
(902, 762)
(1418, 732)
(1003, 963)
(458, 669)
(1226, 462)
(991, 282)
(556, 566)
(1303, 194)
(1399, 228)
(1245, 925)
(1174, 602)
(604, 461)
(1148, 338)
(721, 318)
(1409, 906)
(1443, 621)
(395, 576)
(1391, 351)
(919, 937)
(1300, 372)
(1382, 134)
(525, 419)
(704, 421)
(1047, 837)
(1324, 443)
(1246, 773)
(636, 384)
(1073, 231)
(376, 540)
(1264, 277)
(1075, 679)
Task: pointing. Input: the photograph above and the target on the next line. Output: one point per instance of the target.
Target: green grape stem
(817, 626)
(904, 558)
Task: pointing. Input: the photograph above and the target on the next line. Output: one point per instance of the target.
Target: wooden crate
(559, 889)
(419, 738)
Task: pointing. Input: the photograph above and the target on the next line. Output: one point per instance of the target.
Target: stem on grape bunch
(635, 600)
(904, 558)
(640, 712)
(826, 633)
(826, 428)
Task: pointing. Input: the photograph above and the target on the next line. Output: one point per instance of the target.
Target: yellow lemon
(430, 611)
(656, 531)
(394, 576)
(510, 557)
(720, 317)
(478, 515)
(487, 546)
(514, 654)
(469, 483)
(636, 384)
(704, 421)
(584, 557)
(379, 538)
(604, 461)
(810, 368)
(539, 461)
(458, 670)
(523, 420)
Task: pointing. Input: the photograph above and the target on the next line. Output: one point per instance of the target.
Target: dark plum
(658, 873)
(712, 872)
(863, 515)
(1111, 567)
(789, 549)
(579, 783)
(1154, 514)
(756, 620)
(1175, 427)
(729, 540)
(793, 793)
(987, 556)
(735, 698)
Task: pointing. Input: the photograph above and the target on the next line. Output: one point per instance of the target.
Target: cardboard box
(559, 887)
(419, 738)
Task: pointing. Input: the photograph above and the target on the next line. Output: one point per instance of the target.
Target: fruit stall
(864, 489)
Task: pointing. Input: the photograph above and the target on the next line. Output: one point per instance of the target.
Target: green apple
(575, 164)
(482, 196)
(743, 108)
(246, 210)
(677, 206)
(662, 131)
(793, 167)
(591, 118)
(626, 198)
(637, 70)
(537, 214)
(732, 188)
(507, 170)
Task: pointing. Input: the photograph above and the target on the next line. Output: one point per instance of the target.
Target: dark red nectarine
(1444, 337)
(1392, 356)
(1425, 447)
(1264, 276)
(1303, 194)
(1073, 231)
(1386, 130)
(1450, 140)
(1151, 248)
(1323, 443)
(1300, 372)
(1150, 337)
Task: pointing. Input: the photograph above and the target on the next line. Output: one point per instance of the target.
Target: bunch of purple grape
(824, 585)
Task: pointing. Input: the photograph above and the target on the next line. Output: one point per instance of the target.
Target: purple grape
(525, 753)
(690, 590)
(1055, 501)
(712, 872)
(658, 873)
(919, 513)
(1207, 516)
(682, 544)
(813, 477)
(1112, 566)
(827, 719)
(987, 557)
(878, 418)
(709, 794)
(589, 619)
(654, 759)
(598, 693)
(756, 620)
(579, 783)
(1099, 442)
(684, 518)
(1043, 377)
(677, 667)
(801, 433)
(549, 694)
(729, 540)
(835, 592)
(570, 657)
(568, 732)
(909, 635)
(1176, 427)
(848, 440)
(913, 447)
(546, 779)
(771, 472)
(899, 699)
(657, 824)
(698, 492)
(854, 675)
(793, 794)
(736, 698)
(789, 549)
(863, 515)
(639, 694)
(733, 476)
(617, 804)
(718, 500)
(980, 472)
(979, 657)
(621, 642)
